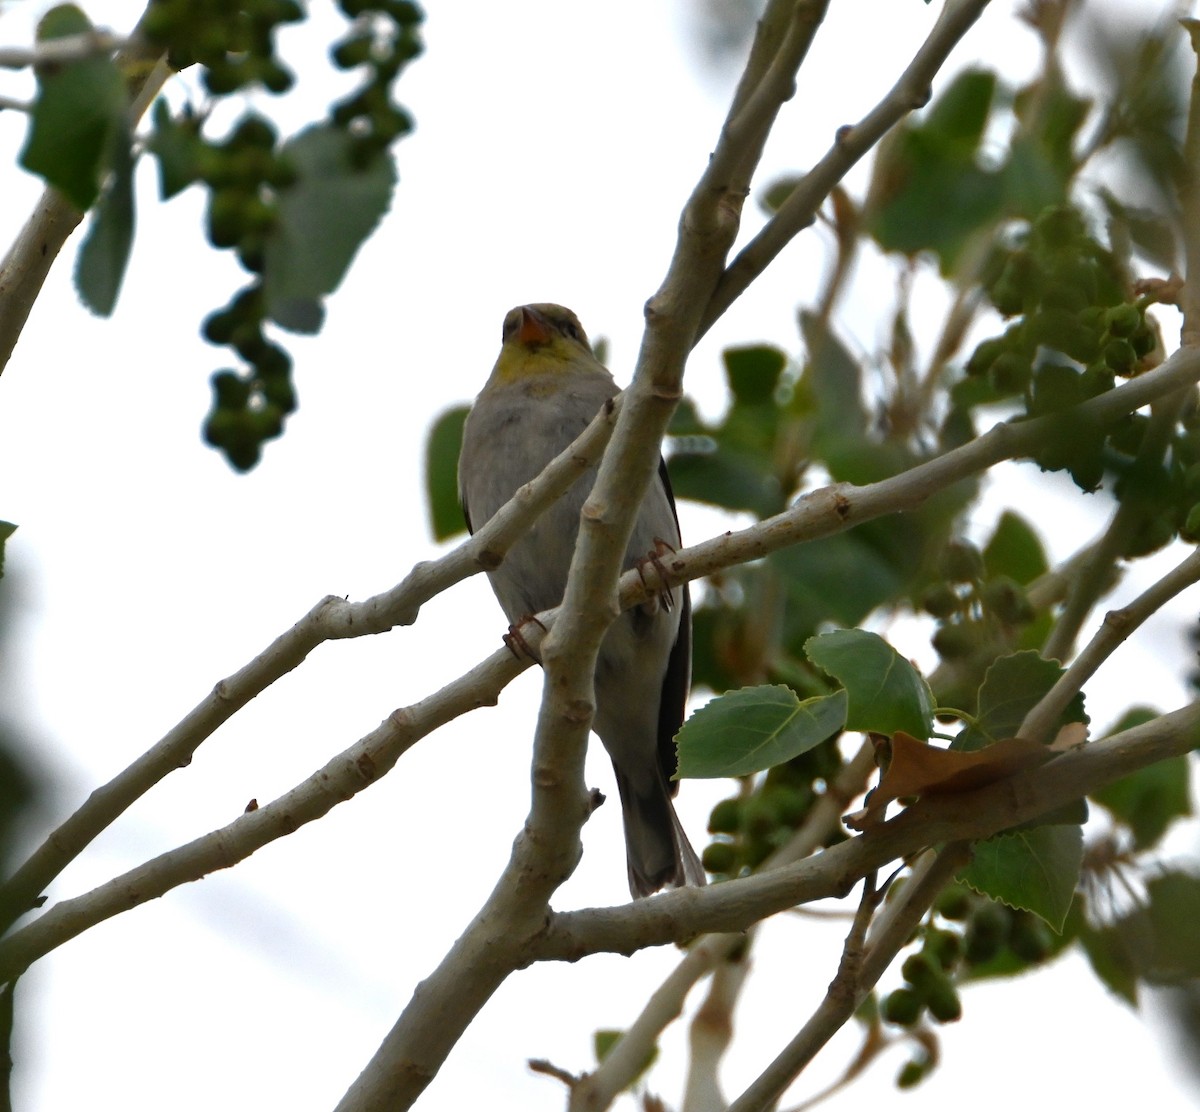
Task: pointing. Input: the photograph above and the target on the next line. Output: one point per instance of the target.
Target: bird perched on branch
(546, 387)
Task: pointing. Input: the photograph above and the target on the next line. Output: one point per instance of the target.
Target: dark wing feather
(672, 705)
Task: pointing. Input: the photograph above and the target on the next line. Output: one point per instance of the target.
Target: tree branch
(24, 269)
(545, 853)
(331, 619)
(341, 778)
(796, 213)
(70, 48)
(620, 1066)
(969, 816)
(858, 973)
(1114, 630)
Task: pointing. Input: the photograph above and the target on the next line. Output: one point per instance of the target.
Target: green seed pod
(1010, 374)
(903, 1007)
(961, 562)
(354, 51)
(230, 390)
(941, 601)
(1120, 356)
(912, 1073)
(719, 858)
(944, 946)
(1030, 938)
(1096, 379)
(1055, 387)
(953, 642)
(1123, 320)
(226, 217)
(256, 132)
(943, 1001)
(919, 970)
(1005, 598)
(954, 903)
(987, 933)
(726, 817)
(1144, 341)
(1190, 530)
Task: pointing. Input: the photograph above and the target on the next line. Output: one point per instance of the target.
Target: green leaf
(605, 1039)
(745, 731)
(1110, 948)
(840, 578)
(1174, 899)
(753, 373)
(1035, 870)
(1012, 686)
(830, 388)
(176, 144)
(932, 194)
(323, 219)
(7, 529)
(104, 254)
(441, 473)
(706, 471)
(77, 117)
(954, 124)
(1015, 550)
(886, 693)
(1149, 800)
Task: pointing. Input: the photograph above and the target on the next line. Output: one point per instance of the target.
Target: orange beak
(534, 328)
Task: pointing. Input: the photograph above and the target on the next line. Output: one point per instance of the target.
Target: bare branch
(24, 269)
(331, 619)
(343, 777)
(858, 973)
(545, 853)
(70, 48)
(969, 816)
(617, 1071)
(711, 1033)
(1113, 631)
(911, 91)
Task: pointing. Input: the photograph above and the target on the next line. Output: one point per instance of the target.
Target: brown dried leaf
(919, 769)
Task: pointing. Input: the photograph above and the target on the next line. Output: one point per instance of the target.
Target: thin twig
(819, 514)
(331, 619)
(25, 267)
(967, 816)
(69, 48)
(860, 969)
(1117, 626)
(911, 91)
(617, 1071)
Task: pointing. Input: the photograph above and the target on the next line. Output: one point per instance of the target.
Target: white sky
(555, 146)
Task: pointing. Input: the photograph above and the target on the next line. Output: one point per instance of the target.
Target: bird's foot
(515, 640)
(654, 559)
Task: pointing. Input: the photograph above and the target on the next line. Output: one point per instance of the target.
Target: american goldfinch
(546, 387)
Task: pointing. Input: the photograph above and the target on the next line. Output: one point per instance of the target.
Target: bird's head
(541, 339)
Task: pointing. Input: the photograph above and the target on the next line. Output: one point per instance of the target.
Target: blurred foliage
(293, 210)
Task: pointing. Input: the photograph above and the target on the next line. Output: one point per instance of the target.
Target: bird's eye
(570, 328)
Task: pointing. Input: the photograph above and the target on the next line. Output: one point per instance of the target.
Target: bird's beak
(533, 328)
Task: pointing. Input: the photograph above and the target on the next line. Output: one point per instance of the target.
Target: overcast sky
(554, 147)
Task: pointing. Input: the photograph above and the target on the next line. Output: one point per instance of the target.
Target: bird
(546, 387)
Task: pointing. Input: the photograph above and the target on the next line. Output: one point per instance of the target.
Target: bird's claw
(515, 640)
(654, 558)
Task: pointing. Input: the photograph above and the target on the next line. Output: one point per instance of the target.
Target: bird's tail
(656, 848)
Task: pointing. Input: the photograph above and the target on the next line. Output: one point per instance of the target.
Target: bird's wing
(672, 705)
